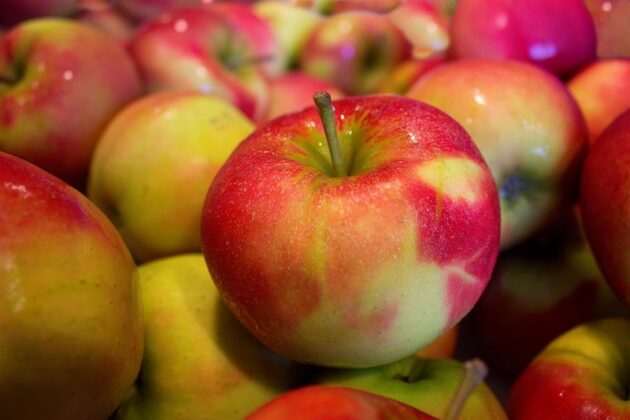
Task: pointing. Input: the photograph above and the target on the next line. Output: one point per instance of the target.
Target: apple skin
(542, 289)
(16, 11)
(291, 25)
(602, 90)
(427, 384)
(335, 403)
(199, 362)
(150, 176)
(605, 204)
(104, 16)
(528, 128)
(199, 48)
(611, 26)
(144, 10)
(355, 51)
(317, 277)
(406, 73)
(70, 319)
(75, 78)
(558, 36)
(443, 347)
(581, 374)
(293, 92)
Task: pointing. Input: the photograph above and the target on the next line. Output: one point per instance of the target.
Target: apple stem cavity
(475, 371)
(326, 112)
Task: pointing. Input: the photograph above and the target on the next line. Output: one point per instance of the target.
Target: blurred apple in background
(406, 73)
(60, 83)
(582, 374)
(143, 10)
(541, 289)
(292, 25)
(424, 26)
(103, 15)
(602, 90)
(528, 128)
(199, 48)
(355, 51)
(154, 163)
(199, 361)
(70, 319)
(557, 35)
(16, 11)
(427, 384)
(362, 261)
(329, 7)
(293, 92)
(611, 24)
(605, 204)
(335, 403)
(443, 347)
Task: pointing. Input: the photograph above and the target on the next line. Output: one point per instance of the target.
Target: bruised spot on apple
(357, 269)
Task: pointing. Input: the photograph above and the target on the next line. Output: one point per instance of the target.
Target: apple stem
(326, 112)
(475, 371)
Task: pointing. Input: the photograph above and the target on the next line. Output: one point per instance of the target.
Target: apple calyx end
(323, 102)
(475, 371)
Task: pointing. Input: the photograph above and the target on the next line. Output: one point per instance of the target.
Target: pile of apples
(314, 209)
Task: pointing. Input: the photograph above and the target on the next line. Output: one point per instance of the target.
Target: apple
(60, 83)
(104, 16)
(443, 347)
(361, 258)
(528, 128)
(427, 384)
(611, 25)
(150, 175)
(556, 35)
(200, 48)
(293, 92)
(355, 51)
(329, 7)
(291, 26)
(335, 403)
(606, 206)
(405, 74)
(541, 288)
(144, 10)
(602, 90)
(424, 25)
(199, 362)
(16, 11)
(70, 319)
(581, 374)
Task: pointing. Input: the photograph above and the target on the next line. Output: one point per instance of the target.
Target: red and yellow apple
(605, 204)
(602, 90)
(154, 163)
(528, 128)
(611, 25)
(60, 83)
(70, 318)
(358, 261)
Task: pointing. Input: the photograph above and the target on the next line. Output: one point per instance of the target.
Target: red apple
(606, 205)
(60, 83)
(142, 10)
(528, 127)
(582, 374)
(104, 16)
(70, 319)
(602, 90)
(335, 403)
(359, 262)
(203, 49)
(557, 35)
(542, 289)
(293, 92)
(611, 24)
(355, 51)
(406, 73)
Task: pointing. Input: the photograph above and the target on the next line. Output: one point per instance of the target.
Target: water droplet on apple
(68, 75)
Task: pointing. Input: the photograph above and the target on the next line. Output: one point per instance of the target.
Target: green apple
(70, 318)
(199, 362)
(154, 163)
(427, 384)
(291, 24)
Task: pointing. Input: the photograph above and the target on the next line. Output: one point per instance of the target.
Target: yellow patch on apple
(457, 178)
